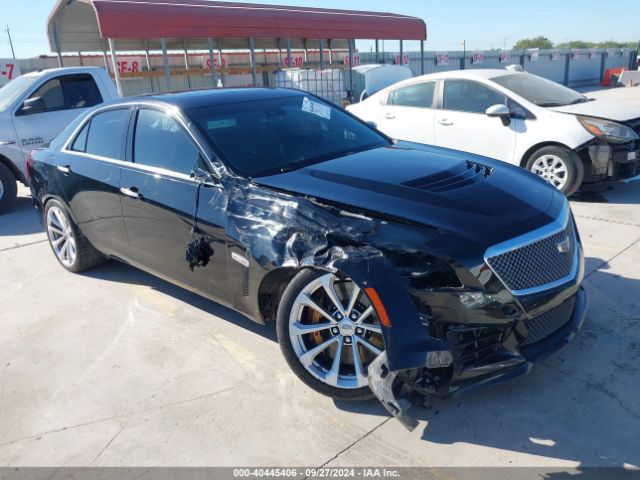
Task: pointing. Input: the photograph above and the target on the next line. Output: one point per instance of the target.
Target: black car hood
(446, 189)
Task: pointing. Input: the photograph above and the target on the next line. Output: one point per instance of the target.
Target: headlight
(611, 131)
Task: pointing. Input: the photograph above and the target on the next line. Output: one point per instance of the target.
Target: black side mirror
(32, 105)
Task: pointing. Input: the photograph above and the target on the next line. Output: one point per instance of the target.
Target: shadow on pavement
(609, 192)
(115, 271)
(550, 412)
(20, 220)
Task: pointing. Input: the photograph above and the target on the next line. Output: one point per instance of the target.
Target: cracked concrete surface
(114, 367)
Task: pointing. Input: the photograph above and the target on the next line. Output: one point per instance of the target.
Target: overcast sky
(484, 24)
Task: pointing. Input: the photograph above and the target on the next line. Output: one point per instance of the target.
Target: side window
(470, 96)
(80, 143)
(161, 142)
(106, 134)
(63, 93)
(49, 97)
(417, 95)
(80, 91)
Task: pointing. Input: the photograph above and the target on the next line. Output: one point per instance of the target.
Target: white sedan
(520, 118)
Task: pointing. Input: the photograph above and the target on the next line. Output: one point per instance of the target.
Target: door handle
(65, 169)
(131, 192)
(389, 116)
(445, 122)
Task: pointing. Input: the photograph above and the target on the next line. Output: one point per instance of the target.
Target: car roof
(484, 73)
(216, 96)
(65, 70)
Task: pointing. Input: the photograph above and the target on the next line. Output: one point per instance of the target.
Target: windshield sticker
(224, 123)
(316, 108)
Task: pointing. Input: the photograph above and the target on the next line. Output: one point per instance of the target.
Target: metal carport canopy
(84, 25)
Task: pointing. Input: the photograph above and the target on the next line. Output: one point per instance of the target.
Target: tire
(61, 232)
(8, 189)
(559, 166)
(360, 326)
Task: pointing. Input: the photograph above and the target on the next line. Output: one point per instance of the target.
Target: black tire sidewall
(10, 186)
(575, 170)
(282, 328)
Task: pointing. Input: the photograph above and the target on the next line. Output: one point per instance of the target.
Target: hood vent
(462, 175)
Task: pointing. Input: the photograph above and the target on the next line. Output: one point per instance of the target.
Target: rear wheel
(8, 188)
(329, 333)
(71, 248)
(558, 166)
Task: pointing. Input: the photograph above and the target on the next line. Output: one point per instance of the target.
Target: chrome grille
(549, 322)
(538, 263)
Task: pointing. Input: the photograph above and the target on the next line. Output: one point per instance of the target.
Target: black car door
(89, 168)
(159, 195)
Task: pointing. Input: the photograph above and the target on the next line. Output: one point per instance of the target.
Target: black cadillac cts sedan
(388, 267)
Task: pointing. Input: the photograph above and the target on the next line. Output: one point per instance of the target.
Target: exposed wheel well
(271, 289)
(11, 166)
(528, 153)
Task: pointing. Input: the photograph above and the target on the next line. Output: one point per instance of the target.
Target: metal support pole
(603, 60)
(330, 52)
(401, 62)
(567, 68)
(114, 63)
(80, 59)
(322, 73)
(351, 86)
(57, 44)
(377, 51)
(148, 61)
(288, 53)
(165, 62)
(105, 59)
(212, 60)
(252, 55)
(186, 62)
(421, 57)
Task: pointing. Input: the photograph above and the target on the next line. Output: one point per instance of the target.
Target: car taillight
(29, 160)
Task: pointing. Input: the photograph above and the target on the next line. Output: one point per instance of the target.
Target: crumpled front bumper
(397, 390)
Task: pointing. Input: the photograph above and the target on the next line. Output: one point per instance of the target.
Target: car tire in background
(72, 250)
(8, 188)
(312, 329)
(559, 166)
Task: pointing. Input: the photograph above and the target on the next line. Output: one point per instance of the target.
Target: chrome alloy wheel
(1, 189)
(553, 169)
(61, 236)
(335, 332)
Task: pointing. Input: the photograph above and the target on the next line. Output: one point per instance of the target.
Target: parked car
(519, 118)
(372, 78)
(372, 257)
(35, 108)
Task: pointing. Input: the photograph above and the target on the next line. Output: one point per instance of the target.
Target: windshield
(540, 91)
(276, 135)
(12, 90)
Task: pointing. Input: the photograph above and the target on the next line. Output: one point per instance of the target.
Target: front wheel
(559, 166)
(329, 333)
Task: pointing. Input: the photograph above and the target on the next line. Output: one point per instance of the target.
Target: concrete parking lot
(115, 367)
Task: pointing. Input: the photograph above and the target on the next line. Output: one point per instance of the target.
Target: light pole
(10, 41)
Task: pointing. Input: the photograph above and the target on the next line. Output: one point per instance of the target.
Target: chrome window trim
(137, 166)
(557, 226)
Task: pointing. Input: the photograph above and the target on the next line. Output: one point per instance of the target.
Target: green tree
(536, 42)
(576, 44)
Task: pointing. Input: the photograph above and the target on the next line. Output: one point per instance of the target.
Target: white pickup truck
(35, 108)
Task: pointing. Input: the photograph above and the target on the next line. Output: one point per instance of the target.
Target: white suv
(516, 117)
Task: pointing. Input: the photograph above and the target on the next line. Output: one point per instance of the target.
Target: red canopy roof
(191, 19)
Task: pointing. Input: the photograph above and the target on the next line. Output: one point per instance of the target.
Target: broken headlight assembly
(607, 130)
